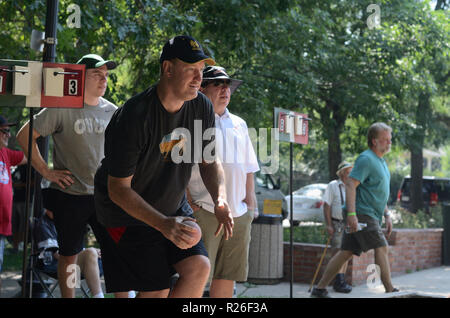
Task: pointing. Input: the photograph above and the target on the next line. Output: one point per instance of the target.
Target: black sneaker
(341, 286)
(319, 293)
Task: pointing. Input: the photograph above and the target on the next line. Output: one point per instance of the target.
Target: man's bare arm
(60, 177)
(327, 217)
(350, 202)
(214, 179)
(250, 196)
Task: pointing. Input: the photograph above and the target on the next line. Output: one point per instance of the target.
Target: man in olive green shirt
(367, 193)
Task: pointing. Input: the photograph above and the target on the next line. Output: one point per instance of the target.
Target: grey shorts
(369, 238)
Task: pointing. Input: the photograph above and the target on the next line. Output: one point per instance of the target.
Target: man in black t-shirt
(151, 144)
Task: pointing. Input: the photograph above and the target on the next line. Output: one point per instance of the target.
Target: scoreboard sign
(41, 84)
(292, 126)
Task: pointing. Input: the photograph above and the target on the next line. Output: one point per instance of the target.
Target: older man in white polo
(334, 200)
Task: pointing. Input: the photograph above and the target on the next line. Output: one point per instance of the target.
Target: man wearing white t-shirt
(228, 258)
(334, 200)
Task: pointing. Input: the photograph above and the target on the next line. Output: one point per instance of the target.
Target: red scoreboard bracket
(72, 89)
(292, 126)
(41, 84)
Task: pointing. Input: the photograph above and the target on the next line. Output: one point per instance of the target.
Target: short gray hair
(374, 131)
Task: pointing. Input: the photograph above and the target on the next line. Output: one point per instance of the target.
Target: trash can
(265, 264)
(446, 233)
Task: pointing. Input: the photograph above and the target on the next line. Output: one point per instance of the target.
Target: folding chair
(41, 264)
(45, 279)
(48, 278)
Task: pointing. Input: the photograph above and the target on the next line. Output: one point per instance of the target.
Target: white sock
(131, 294)
(99, 295)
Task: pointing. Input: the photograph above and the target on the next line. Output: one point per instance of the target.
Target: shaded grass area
(12, 261)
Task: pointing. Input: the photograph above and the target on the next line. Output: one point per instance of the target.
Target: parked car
(269, 196)
(434, 191)
(308, 203)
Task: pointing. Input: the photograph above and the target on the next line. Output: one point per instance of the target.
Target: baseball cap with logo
(94, 61)
(212, 73)
(185, 48)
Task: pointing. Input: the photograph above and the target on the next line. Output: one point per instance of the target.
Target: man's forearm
(250, 196)
(214, 179)
(350, 196)
(132, 203)
(327, 213)
(37, 161)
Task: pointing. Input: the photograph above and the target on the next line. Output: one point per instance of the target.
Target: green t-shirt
(373, 192)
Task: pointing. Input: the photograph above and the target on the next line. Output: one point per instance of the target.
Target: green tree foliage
(420, 101)
(316, 57)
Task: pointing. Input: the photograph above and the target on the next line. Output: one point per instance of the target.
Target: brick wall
(409, 250)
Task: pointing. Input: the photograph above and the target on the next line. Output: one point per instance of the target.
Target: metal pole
(291, 218)
(51, 21)
(27, 208)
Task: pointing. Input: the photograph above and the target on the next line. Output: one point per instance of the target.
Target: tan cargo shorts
(228, 258)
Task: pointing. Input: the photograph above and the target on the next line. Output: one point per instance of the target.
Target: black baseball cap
(94, 61)
(185, 48)
(4, 122)
(218, 72)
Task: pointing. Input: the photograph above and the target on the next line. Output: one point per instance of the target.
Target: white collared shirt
(332, 197)
(238, 158)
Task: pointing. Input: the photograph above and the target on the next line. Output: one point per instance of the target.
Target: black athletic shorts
(142, 259)
(71, 214)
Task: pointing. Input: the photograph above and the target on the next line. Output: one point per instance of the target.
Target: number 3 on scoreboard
(73, 87)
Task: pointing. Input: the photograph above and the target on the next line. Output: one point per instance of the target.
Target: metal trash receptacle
(446, 233)
(265, 264)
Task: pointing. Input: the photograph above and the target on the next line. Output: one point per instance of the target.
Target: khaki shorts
(228, 258)
(339, 227)
(369, 238)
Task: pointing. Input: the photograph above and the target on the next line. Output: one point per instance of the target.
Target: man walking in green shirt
(367, 193)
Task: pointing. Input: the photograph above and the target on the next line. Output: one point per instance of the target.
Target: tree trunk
(334, 153)
(416, 179)
(416, 148)
(333, 127)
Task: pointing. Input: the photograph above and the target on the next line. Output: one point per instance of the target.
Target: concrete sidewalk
(434, 282)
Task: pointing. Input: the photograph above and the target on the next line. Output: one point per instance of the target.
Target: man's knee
(91, 254)
(72, 259)
(197, 265)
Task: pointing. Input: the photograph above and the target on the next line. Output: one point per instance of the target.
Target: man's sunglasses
(6, 131)
(218, 82)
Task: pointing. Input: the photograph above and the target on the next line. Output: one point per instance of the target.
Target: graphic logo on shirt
(171, 142)
(89, 125)
(4, 176)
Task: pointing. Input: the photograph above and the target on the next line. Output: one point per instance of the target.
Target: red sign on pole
(72, 78)
(292, 126)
